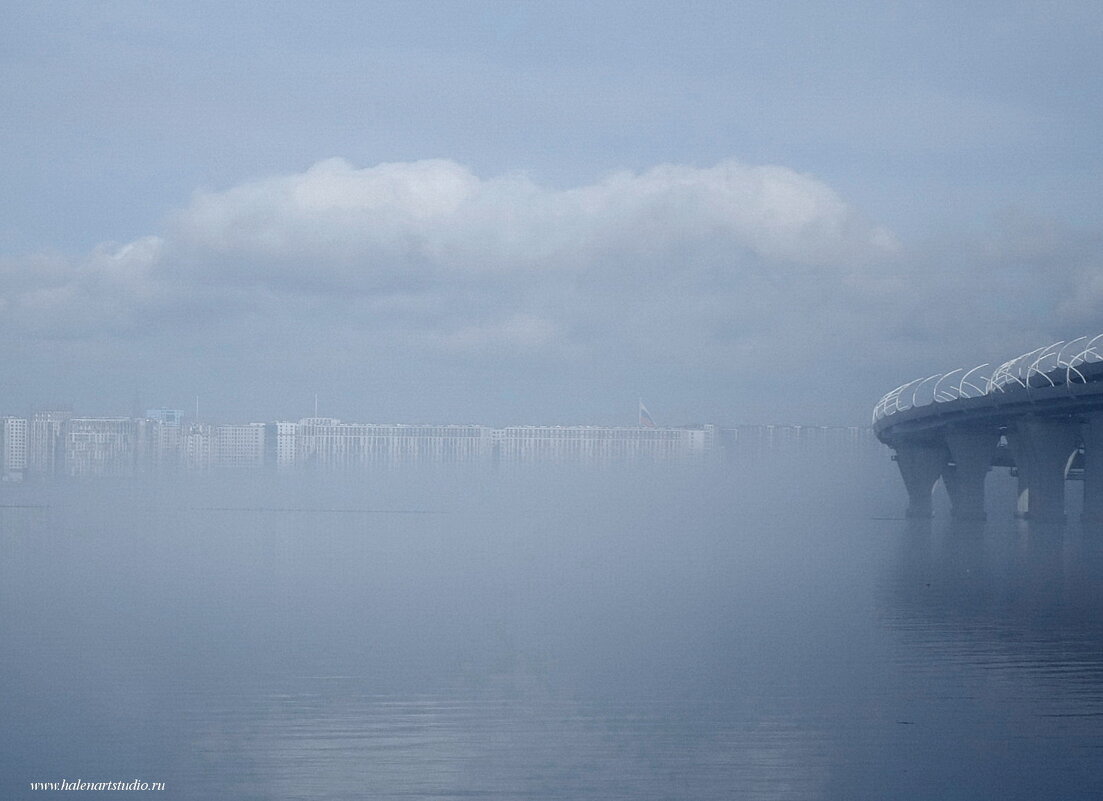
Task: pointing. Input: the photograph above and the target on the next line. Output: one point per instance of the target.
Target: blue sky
(523, 212)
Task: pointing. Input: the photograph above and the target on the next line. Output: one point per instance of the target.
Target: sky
(508, 212)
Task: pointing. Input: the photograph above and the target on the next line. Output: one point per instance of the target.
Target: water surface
(661, 634)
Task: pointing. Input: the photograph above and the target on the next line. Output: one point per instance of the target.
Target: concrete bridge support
(1042, 449)
(971, 451)
(920, 466)
(1092, 434)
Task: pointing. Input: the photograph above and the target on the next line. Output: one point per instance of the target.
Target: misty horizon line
(59, 443)
(153, 414)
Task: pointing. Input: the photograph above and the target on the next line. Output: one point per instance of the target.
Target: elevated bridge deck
(1040, 413)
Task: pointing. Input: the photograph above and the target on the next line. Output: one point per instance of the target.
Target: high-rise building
(45, 455)
(166, 446)
(170, 416)
(102, 446)
(196, 447)
(13, 448)
(280, 438)
(599, 445)
(238, 445)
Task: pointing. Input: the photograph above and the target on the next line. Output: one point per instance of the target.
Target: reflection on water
(1002, 626)
(658, 636)
(1004, 594)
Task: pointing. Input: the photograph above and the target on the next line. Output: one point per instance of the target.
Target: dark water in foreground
(656, 636)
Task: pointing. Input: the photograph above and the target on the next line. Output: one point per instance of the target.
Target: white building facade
(195, 445)
(597, 445)
(102, 446)
(328, 443)
(46, 452)
(239, 445)
(14, 447)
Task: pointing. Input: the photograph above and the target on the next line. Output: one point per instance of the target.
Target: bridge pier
(971, 451)
(1092, 433)
(920, 466)
(1042, 448)
(1048, 402)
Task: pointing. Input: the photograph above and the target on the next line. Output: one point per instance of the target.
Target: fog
(514, 213)
(764, 628)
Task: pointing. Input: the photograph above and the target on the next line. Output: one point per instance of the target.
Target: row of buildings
(57, 443)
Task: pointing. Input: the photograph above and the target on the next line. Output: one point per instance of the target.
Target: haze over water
(548, 634)
(507, 212)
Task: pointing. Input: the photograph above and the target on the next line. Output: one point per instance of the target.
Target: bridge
(1040, 413)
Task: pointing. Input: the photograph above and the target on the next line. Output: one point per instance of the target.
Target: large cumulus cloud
(730, 267)
(438, 215)
(430, 239)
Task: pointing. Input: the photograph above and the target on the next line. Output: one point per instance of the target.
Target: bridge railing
(1055, 365)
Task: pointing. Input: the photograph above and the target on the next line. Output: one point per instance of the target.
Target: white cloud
(429, 251)
(734, 268)
(436, 219)
(330, 211)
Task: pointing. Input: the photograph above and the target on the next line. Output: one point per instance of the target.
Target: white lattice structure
(1055, 365)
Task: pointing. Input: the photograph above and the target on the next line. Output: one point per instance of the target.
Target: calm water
(660, 635)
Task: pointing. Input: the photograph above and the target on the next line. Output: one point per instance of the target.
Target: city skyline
(196, 412)
(55, 443)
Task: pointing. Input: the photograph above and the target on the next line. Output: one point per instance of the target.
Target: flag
(645, 417)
